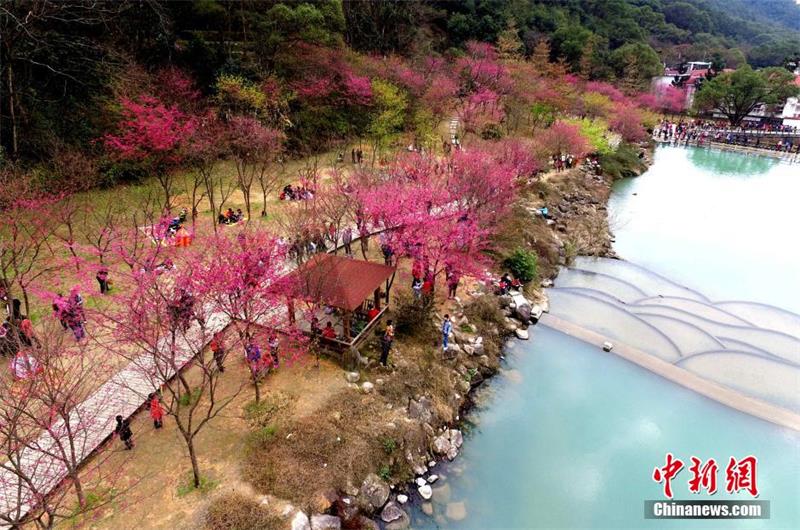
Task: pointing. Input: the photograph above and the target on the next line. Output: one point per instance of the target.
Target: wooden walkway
(794, 156)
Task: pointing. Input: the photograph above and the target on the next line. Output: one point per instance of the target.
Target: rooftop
(340, 282)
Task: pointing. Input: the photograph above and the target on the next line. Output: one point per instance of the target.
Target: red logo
(703, 477)
(667, 473)
(739, 475)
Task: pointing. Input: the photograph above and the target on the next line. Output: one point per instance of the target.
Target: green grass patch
(186, 486)
(389, 445)
(187, 400)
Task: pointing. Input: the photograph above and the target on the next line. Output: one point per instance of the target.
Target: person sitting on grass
(229, 216)
(329, 332)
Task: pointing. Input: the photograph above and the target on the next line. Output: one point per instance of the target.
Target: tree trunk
(11, 111)
(195, 464)
(257, 387)
(76, 482)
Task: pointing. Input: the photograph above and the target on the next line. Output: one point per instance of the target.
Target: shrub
(411, 316)
(235, 511)
(522, 264)
(624, 162)
(492, 131)
(389, 445)
(260, 437)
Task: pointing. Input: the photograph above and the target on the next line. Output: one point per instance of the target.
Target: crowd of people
(70, 313)
(748, 135)
(230, 217)
(563, 161)
(318, 240)
(296, 193)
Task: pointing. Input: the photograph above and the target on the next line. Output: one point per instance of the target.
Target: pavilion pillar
(346, 325)
(378, 298)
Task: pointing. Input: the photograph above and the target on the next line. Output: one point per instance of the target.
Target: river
(568, 436)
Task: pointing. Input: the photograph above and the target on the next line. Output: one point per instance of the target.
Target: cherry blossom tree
(246, 279)
(154, 134)
(561, 138)
(52, 416)
(254, 148)
(627, 120)
(161, 325)
(26, 251)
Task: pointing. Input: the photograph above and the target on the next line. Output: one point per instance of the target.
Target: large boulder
(325, 522)
(421, 409)
(300, 521)
(374, 491)
(391, 512)
(441, 444)
(426, 492)
(352, 377)
(522, 308)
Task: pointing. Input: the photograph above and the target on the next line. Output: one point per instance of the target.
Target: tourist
(452, 284)
(252, 354)
(218, 350)
(156, 410)
(329, 332)
(27, 335)
(386, 343)
(102, 279)
(447, 327)
(427, 287)
(372, 313)
(416, 288)
(123, 430)
(273, 344)
(347, 239)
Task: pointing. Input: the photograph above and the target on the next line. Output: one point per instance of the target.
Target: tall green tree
(737, 93)
(635, 64)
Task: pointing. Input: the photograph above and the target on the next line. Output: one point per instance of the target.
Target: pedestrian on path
(218, 350)
(386, 343)
(123, 430)
(156, 411)
(347, 239)
(447, 327)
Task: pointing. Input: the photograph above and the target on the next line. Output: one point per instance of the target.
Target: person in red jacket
(329, 332)
(156, 411)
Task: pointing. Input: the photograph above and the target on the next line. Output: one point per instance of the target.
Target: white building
(791, 109)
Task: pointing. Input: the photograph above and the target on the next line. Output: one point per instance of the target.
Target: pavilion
(344, 291)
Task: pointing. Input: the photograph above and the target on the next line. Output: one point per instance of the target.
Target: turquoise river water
(567, 436)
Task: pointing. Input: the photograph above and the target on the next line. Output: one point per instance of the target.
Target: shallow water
(570, 436)
(724, 223)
